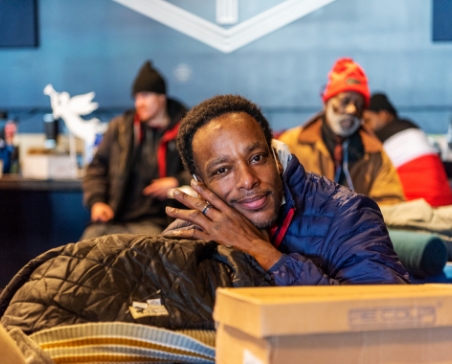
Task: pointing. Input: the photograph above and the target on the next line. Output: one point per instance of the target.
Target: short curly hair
(208, 110)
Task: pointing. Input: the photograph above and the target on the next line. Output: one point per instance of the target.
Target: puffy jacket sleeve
(95, 181)
(356, 250)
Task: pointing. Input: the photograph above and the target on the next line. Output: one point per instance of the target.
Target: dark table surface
(17, 182)
(35, 216)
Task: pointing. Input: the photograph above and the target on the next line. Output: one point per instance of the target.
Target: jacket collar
(311, 134)
(293, 177)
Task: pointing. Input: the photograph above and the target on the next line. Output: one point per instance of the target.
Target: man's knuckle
(194, 214)
(199, 203)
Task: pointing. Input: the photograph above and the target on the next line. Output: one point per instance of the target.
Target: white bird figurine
(70, 110)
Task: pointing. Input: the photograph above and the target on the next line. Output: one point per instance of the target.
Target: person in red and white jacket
(418, 164)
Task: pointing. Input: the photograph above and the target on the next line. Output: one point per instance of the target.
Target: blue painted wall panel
(442, 20)
(18, 23)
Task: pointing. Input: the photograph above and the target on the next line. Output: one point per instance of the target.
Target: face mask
(343, 125)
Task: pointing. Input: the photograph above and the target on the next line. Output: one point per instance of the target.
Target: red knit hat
(346, 75)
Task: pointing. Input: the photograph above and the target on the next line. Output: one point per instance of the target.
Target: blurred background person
(336, 145)
(127, 183)
(418, 164)
(8, 151)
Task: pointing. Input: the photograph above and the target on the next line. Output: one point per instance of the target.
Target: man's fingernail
(172, 233)
(169, 209)
(194, 182)
(176, 192)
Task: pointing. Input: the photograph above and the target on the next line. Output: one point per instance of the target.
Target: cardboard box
(49, 166)
(335, 324)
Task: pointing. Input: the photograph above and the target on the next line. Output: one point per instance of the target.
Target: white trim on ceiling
(225, 40)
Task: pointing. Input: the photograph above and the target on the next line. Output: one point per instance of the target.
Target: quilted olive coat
(98, 280)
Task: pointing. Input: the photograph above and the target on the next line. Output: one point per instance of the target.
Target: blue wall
(99, 46)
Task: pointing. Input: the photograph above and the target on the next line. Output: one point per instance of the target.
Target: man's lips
(347, 123)
(253, 203)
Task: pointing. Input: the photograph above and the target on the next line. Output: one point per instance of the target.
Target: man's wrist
(265, 253)
(278, 263)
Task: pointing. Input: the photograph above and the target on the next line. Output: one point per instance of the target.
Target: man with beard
(136, 164)
(335, 144)
(302, 228)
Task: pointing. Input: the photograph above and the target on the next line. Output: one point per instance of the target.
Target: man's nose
(247, 177)
(138, 100)
(351, 108)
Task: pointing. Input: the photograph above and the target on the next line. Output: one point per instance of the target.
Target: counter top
(17, 182)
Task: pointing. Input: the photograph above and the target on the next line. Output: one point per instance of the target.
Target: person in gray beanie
(127, 183)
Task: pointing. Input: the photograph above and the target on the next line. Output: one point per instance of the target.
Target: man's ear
(386, 116)
(162, 100)
(277, 161)
(280, 167)
(325, 104)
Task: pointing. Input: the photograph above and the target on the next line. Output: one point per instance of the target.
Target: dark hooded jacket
(107, 175)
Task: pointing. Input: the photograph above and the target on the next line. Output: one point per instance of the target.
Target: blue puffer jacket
(331, 235)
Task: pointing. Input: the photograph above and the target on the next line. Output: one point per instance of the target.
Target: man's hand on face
(159, 187)
(220, 223)
(101, 212)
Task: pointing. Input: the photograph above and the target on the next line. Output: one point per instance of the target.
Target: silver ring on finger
(206, 208)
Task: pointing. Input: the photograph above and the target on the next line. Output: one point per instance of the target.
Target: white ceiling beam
(225, 40)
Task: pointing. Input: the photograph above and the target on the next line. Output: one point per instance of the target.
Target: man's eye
(345, 102)
(257, 158)
(220, 171)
